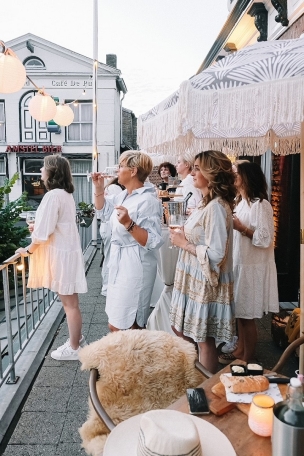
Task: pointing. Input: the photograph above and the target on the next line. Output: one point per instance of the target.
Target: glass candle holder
(260, 416)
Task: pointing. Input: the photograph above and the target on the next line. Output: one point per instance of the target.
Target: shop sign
(34, 148)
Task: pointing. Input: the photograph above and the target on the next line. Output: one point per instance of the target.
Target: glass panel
(34, 187)
(2, 130)
(2, 166)
(34, 63)
(76, 111)
(86, 132)
(80, 166)
(74, 132)
(2, 179)
(33, 166)
(1, 112)
(86, 112)
(83, 189)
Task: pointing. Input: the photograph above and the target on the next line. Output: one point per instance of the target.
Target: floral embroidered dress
(255, 274)
(202, 301)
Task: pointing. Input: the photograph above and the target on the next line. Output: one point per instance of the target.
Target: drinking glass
(175, 215)
(110, 171)
(30, 219)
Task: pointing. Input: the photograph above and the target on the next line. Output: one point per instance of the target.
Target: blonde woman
(55, 251)
(184, 167)
(202, 307)
(135, 218)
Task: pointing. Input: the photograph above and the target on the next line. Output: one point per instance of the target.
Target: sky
(158, 43)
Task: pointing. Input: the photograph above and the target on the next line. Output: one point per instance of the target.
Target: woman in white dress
(55, 250)
(255, 275)
(135, 217)
(183, 167)
(111, 190)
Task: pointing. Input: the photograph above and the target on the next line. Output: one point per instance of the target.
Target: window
(2, 172)
(32, 183)
(81, 130)
(34, 63)
(35, 188)
(2, 122)
(31, 130)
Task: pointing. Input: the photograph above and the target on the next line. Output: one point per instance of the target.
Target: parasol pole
(301, 358)
(94, 103)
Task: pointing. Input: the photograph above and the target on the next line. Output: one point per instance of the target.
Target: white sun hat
(167, 433)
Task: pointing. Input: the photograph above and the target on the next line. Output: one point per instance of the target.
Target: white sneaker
(65, 353)
(229, 347)
(66, 348)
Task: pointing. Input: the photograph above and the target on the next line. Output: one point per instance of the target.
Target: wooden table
(234, 424)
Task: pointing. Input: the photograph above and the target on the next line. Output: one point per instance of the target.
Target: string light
(20, 265)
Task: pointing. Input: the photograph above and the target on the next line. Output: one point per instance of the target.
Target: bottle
(291, 411)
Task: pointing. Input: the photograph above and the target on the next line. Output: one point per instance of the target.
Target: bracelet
(244, 233)
(99, 194)
(131, 226)
(30, 253)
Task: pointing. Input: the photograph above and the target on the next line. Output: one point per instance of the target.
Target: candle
(260, 416)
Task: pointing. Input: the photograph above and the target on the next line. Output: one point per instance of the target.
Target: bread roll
(246, 384)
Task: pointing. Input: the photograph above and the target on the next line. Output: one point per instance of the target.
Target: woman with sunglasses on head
(255, 275)
(56, 257)
(202, 308)
(135, 218)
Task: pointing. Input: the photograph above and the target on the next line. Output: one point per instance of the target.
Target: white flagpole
(94, 126)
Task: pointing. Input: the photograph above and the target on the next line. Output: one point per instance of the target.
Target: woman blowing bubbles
(56, 256)
(135, 217)
(202, 300)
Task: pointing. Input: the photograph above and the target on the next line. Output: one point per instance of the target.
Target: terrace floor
(56, 405)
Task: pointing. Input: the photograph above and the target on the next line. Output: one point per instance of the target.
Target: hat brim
(123, 439)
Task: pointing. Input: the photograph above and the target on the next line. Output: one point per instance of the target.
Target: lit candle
(260, 416)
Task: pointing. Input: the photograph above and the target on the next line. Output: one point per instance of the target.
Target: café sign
(34, 148)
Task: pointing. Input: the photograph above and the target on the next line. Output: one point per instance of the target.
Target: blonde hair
(188, 158)
(139, 160)
(217, 169)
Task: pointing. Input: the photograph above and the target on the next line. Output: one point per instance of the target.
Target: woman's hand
(97, 180)
(123, 216)
(237, 224)
(177, 237)
(22, 251)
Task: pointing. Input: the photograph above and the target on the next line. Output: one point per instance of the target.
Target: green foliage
(86, 209)
(11, 236)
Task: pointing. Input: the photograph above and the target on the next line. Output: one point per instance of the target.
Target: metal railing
(21, 312)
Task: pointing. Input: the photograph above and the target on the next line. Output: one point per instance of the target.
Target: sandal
(226, 358)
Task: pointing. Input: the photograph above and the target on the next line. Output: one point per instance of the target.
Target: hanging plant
(85, 214)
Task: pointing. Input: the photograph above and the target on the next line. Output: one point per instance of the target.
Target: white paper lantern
(64, 115)
(12, 74)
(42, 107)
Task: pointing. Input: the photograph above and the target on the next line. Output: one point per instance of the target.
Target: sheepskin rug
(139, 370)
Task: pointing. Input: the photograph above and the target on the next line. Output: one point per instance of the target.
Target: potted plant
(85, 214)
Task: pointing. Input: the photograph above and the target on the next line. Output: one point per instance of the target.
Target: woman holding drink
(55, 251)
(202, 308)
(135, 218)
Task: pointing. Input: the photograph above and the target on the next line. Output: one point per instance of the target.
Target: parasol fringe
(201, 118)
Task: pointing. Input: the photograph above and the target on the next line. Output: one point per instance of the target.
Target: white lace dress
(255, 274)
(58, 262)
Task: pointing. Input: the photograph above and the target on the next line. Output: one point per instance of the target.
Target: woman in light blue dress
(135, 218)
(202, 307)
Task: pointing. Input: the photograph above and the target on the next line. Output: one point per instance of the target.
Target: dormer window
(34, 63)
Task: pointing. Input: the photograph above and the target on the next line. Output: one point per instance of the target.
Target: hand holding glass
(175, 215)
(30, 220)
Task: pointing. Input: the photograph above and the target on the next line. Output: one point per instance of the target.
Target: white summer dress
(132, 268)
(58, 262)
(255, 274)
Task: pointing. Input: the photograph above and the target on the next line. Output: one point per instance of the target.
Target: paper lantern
(42, 107)
(260, 418)
(64, 115)
(12, 74)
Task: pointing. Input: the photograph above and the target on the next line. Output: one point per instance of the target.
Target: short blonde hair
(139, 160)
(188, 158)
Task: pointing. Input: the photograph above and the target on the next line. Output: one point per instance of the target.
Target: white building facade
(66, 76)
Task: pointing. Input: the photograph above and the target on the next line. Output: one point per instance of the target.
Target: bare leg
(71, 307)
(208, 354)
(247, 344)
(180, 334)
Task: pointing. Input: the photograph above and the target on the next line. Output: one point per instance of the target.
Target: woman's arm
(244, 230)
(98, 182)
(140, 234)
